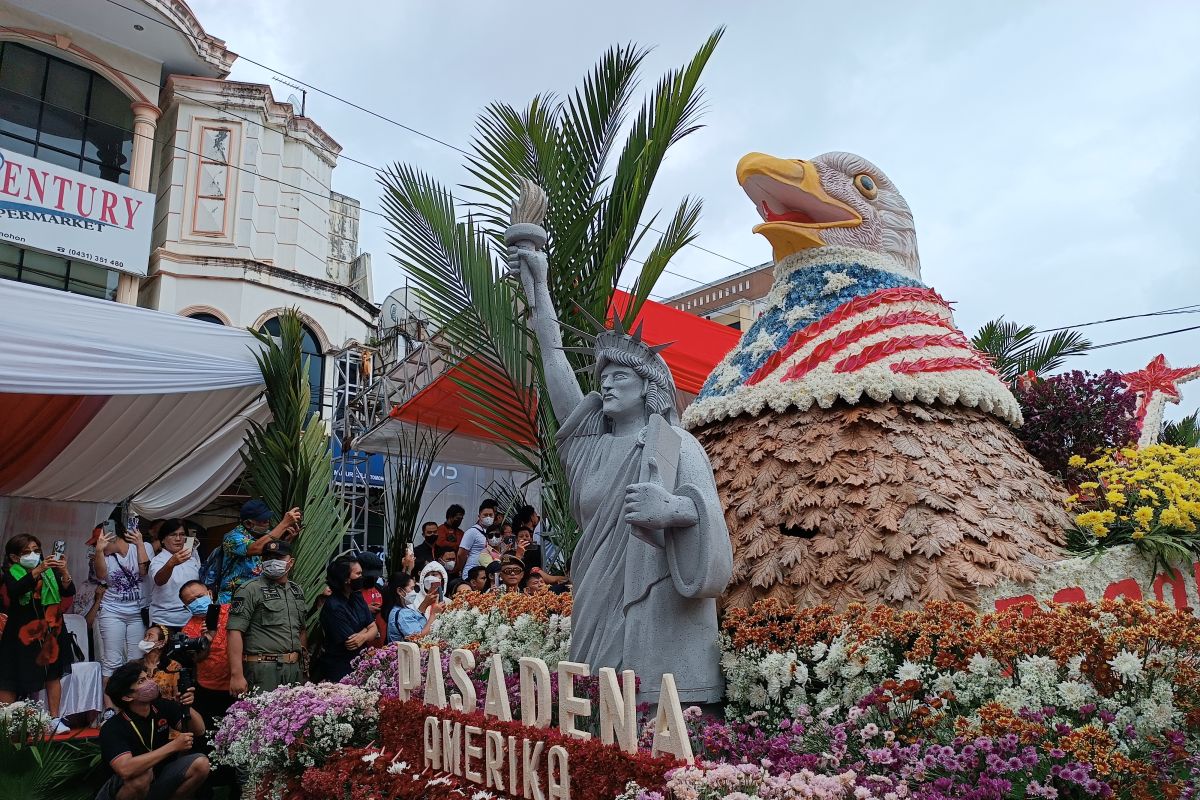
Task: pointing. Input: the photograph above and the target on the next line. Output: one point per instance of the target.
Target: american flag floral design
(842, 323)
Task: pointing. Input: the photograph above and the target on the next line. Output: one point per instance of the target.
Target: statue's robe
(638, 606)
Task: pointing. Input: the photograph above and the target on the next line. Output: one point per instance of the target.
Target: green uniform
(270, 617)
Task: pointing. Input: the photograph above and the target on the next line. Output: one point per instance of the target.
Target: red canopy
(698, 345)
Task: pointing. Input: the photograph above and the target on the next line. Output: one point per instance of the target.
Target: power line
(1144, 338)
(1192, 309)
(398, 124)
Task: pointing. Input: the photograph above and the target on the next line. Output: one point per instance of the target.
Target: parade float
(916, 607)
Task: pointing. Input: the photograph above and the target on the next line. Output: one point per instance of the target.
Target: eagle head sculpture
(833, 199)
(860, 443)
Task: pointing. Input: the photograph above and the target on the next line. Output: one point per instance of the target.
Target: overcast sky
(1050, 151)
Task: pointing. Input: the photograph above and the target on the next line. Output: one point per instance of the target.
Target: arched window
(206, 317)
(62, 113)
(316, 362)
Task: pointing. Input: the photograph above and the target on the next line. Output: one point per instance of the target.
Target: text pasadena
(449, 746)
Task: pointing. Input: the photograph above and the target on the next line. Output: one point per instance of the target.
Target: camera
(182, 650)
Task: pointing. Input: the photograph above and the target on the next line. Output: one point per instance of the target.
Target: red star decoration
(1158, 376)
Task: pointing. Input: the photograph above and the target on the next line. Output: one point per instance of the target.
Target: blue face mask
(199, 605)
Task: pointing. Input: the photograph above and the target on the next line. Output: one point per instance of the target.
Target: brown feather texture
(895, 503)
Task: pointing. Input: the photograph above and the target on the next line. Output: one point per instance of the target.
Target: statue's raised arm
(526, 238)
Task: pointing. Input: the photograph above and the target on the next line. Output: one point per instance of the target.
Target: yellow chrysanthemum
(1076, 461)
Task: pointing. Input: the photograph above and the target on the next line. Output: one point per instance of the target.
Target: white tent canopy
(100, 402)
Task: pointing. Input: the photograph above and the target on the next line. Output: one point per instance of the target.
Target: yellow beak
(794, 205)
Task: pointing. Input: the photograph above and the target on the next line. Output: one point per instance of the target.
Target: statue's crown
(615, 338)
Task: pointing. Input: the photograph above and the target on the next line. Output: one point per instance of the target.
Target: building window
(206, 317)
(62, 113)
(311, 349)
(212, 181)
(40, 269)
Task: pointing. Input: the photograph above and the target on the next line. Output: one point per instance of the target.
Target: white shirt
(126, 593)
(473, 541)
(165, 606)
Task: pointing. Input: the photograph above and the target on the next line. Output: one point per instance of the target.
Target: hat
(493, 567)
(276, 549)
(255, 510)
(372, 566)
(512, 561)
(537, 571)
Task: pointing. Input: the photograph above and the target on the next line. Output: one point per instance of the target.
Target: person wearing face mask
(148, 746)
(151, 646)
(239, 558)
(431, 588)
(403, 619)
(212, 664)
(35, 648)
(268, 643)
(475, 539)
(347, 624)
(494, 548)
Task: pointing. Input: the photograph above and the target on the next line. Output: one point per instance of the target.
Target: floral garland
(512, 625)
(282, 732)
(1132, 666)
(838, 325)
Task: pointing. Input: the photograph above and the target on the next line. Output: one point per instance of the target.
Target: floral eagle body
(860, 443)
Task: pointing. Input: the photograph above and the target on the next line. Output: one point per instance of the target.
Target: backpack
(213, 570)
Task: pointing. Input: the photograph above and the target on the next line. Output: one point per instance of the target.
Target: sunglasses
(512, 571)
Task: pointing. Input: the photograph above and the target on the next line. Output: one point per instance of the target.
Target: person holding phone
(176, 564)
(35, 647)
(122, 563)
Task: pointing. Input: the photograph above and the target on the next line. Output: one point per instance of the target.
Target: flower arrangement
(287, 730)
(22, 719)
(513, 625)
(1129, 669)
(1074, 414)
(1148, 497)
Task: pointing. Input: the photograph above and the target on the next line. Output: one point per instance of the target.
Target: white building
(244, 221)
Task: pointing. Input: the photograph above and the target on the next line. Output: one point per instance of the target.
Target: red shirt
(447, 538)
(213, 672)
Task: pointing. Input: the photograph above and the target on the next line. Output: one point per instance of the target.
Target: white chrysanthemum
(909, 671)
(1014, 698)
(1074, 694)
(982, 666)
(1127, 665)
(757, 697)
(818, 651)
(1075, 667)
(944, 682)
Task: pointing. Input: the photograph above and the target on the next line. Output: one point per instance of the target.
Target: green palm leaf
(288, 460)
(597, 185)
(1019, 349)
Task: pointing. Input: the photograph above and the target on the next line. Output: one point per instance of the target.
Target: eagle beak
(793, 204)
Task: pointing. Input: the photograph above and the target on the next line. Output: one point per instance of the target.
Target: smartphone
(109, 527)
(190, 543)
(409, 549)
(60, 548)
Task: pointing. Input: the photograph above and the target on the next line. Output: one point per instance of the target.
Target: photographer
(138, 745)
(209, 621)
(175, 565)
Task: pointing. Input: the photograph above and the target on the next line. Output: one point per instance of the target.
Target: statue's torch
(525, 231)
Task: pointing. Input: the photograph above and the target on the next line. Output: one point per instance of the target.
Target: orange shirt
(213, 672)
(447, 538)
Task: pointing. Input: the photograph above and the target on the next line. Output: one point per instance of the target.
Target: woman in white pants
(122, 563)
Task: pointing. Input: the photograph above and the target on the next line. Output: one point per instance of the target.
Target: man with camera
(208, 623)
(148, 744)
(267, 640)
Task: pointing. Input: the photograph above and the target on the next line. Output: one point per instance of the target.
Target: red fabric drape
(699, 345)
(37, 427)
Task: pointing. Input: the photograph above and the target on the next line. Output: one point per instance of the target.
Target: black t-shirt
(128, 733)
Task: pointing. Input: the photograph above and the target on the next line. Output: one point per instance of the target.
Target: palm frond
(1184, 433)
(288, 460)
(1019, 349)
(411, 458)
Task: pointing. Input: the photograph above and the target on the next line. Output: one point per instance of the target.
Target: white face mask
(146, 646)
(31, 560)
(275, 568)
(487, 521)
(411, 598)
(430, 583)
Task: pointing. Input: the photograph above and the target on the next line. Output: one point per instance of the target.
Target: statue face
(622, 391)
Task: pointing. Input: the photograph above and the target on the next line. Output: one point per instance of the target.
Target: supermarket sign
(71, 215)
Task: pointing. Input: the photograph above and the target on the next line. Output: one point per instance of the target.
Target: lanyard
(139, 733)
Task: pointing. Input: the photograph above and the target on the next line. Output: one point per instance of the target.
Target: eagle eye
(866, 185)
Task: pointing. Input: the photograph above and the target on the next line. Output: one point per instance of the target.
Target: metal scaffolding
(351, 468)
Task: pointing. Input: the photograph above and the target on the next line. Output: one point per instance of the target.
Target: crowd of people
(180, 638)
